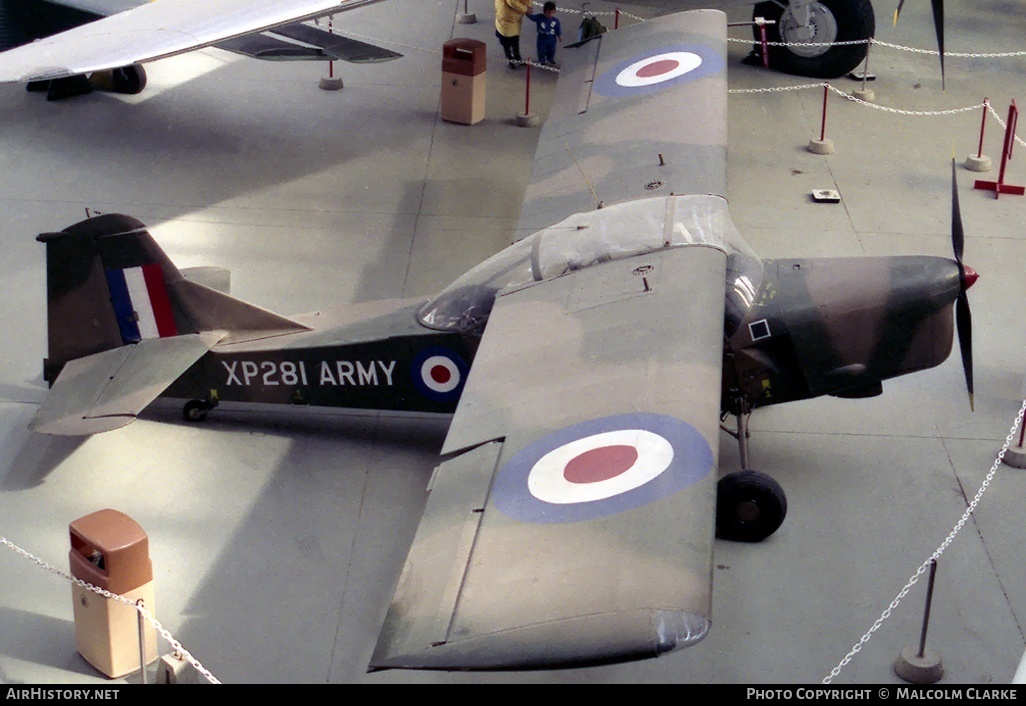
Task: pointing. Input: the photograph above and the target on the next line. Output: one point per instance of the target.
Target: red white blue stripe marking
(601, 467)
(141, 303)
(659, 69)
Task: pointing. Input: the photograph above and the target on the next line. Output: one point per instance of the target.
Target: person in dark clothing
(549, 32)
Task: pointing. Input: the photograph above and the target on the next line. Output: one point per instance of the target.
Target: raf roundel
(659, 69)
(439, 374)
(601, 467)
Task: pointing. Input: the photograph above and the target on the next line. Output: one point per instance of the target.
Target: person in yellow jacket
(509, 14)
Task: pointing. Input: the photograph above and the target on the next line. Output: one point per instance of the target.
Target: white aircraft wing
(153, 31)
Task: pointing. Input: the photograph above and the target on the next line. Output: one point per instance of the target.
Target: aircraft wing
(633, 119)
(106, 390)
(572, 521)
(156, 30)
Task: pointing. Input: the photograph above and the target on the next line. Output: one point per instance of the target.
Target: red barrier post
(616, 20)
(983, 126)
(527, 92)
(765, 44)
(999, 186)
(822, 130)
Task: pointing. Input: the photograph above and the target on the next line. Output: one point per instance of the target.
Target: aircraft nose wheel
(196, 410)
(750, 506)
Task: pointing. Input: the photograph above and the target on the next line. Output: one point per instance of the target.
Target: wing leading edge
(156, 30)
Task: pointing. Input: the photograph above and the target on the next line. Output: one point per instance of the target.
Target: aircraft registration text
(333, 373)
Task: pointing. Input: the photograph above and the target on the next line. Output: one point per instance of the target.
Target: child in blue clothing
(549, 32)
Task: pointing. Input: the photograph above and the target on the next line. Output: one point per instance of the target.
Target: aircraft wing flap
(155, 30)
(431, 578)
(594, 542)
(106, 390)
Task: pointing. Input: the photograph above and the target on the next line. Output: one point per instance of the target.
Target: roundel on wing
(658, 69)
(438, 374)
(601, 467)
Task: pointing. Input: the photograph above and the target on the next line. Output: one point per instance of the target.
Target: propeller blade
(964, 325)
(938, 25)
(963, 317)
(897, 12)
(957, 232)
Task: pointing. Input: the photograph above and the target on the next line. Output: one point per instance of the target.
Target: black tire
(195, 411)
(854, 20)
(129, 80)
(750, 506)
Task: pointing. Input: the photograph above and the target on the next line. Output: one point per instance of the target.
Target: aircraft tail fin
(109, 285)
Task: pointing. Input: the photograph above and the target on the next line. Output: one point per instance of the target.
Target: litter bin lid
(110, 550)
(463, 56)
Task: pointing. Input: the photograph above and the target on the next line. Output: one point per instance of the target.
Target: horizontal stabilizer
(316, 44)
(336, 46)
(107, 390)
(268, 48)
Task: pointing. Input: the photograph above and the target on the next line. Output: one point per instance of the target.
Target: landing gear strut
(750, 505)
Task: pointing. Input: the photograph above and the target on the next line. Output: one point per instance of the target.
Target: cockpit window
(585, 239)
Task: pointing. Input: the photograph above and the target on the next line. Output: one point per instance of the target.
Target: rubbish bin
(463, 81)
(111, 551)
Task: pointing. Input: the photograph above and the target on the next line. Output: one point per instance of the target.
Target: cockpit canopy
(585, 239)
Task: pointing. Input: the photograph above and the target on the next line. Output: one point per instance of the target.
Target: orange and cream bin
(111, 551)
(463, 81)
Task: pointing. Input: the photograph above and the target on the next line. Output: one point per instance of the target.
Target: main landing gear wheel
(831, 21)
(196, 410)
(750, 506)
(130, 80)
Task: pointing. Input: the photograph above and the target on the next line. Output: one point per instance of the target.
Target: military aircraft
(109, 40)
(588, 367)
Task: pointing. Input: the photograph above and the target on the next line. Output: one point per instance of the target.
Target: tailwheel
(750, 506)
(196, 410)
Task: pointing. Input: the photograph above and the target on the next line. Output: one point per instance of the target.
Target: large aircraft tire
(835, 21)
(129, 80)
(750, 506)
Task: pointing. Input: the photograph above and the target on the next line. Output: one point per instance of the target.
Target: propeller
(938, 25)
(966, 278)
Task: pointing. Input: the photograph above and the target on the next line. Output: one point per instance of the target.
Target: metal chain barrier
(1001, 122)
(996, 55)
(884, 108)
(936, 554)
(175, 644)
(889, 45)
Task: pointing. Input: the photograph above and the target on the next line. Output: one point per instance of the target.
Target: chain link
(1001, 122)
(936, 554)
(995, 55)
(889, 45)
(853, 99)
(176, 646)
